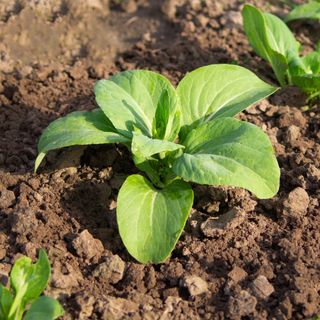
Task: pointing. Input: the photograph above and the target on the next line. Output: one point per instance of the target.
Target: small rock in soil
(286, 308)
(117, 308)
(243, 304)
(129, 6)
(261, 287)
(203, 20)
(24, 222)
(292, 134)
(85, 304)
(237, 274)
(171, 303)
(296, 203)
(215, 226)
(292, 118)
(7, 198)
(231, 19)
(65, 281)
(110, 271)
(169, 8)
(87, 246)
(195, 285)
(3, 253)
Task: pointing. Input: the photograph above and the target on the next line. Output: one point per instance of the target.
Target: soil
(239, 257)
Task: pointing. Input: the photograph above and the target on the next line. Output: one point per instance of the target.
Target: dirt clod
(117, 308)
(85, 304)
(229, 220)
(261, 287)
(242, 304)
(87, 247)
(292, 134)
(237, 274)
(297, 202)
(7, 198)
(195, 285)
(111, 271)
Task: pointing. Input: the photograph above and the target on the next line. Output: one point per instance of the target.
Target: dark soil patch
(262, 264)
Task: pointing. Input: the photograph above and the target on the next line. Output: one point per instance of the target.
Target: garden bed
(258, 259)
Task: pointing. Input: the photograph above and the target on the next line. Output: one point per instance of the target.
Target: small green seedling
(23, 300)
(176, 136)
(273, 41)
(310, 10)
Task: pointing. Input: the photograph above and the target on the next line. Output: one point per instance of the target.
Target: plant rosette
(273, 41)
(27, 282)
(176, 136)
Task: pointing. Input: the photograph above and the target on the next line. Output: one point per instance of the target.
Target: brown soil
(259, 260)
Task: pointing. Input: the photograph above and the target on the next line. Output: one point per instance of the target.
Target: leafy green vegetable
(206, 96)
(274, 42)
(310, 10)
(175, 136)
(6, 301)
(78, 128)
(44, 308)
(217, 153)
(151, 220)
(28, 281)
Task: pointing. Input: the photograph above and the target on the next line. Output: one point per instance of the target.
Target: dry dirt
(258, 260)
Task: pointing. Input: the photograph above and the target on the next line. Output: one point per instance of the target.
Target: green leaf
(312, 62)
(309, 10)
(130, 99)
(44, 308)
(230, 152)
(145, 147)
(166, 123)
(150, 220)
(77, 128)
(6, 301)
(29, 280)
(271, 39)
(308, 83)
(280, 38)
(219, 91)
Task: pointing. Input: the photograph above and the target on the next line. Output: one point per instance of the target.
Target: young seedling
(273, 41)
(23, 300)
(310, 10)
(176, 136)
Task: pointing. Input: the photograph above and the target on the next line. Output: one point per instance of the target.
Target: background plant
(175, 136)
(310, 10)
(27, 282)
(273, 41)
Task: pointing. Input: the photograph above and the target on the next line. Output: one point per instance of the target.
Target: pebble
(3, 253)
(203, 20)
(110, 271)
(129, 6)
(261, 287)
(232, 19)
(292, 118)
(292, 134)
(195, 285)
(243, 304)
(117, 308)
(7, 198)
(64, 281)
(237, 274)
(87, 246)
(297, 202)
(229, 220)
(85, 304)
